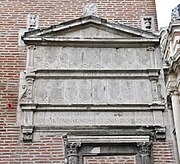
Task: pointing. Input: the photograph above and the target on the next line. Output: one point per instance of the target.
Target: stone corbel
(71, 151)
(27, 132)
(160, 133)
(145, 149)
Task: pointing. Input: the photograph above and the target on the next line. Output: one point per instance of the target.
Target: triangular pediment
(90, 27)
(91, 31)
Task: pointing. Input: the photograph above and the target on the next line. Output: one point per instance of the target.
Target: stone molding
(108, 139)
(67, 73)
(103, 23)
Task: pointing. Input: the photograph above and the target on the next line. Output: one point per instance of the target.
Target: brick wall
(13, 15)
(49, 150)
(163, 153)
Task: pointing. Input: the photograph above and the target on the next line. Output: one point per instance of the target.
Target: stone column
(145, 152)
(176, 114)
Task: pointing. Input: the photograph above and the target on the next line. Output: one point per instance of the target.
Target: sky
(164, 9)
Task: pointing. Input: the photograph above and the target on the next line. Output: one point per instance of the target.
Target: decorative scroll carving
(163, 41)
(27, 133)
(175, 15)
(71, 151)
(145, 151)
(26, 95)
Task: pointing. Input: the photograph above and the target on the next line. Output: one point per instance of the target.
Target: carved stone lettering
(93, 118)
(140, 117)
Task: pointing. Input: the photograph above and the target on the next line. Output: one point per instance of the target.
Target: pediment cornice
(112, 30)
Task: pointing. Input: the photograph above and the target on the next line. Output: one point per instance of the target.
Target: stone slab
(92, 118)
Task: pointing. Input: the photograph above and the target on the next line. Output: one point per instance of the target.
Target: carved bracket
(27, 132)
(160, 134)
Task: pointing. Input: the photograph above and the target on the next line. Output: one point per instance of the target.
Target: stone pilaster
(145, 152)
(71, 151)
(176, 114)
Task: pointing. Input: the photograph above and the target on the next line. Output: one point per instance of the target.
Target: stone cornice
(92, 42)
(92, 107)
(98, 73)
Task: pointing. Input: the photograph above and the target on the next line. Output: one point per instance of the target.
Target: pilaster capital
(144, 148)
(71, 149)
(31, 47)
(173, 91)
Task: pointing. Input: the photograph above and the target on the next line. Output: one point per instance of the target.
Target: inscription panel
(92, 118)
(92, 91)
(91, 58)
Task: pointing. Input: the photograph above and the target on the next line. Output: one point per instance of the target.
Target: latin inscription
(93, 118)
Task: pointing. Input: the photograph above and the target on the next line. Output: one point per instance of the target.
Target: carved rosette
(72, 152)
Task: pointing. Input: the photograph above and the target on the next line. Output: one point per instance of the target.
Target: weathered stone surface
(91, 58)
(93, 118)
(93, 74)
(92, 32)
(92, 91)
